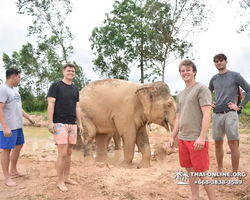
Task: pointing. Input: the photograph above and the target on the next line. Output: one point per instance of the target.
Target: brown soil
(105, 181)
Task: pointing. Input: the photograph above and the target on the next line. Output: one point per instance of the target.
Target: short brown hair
(69, 65)
(188, 63)
(220, 56)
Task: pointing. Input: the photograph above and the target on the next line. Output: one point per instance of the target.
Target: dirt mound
(39, 121)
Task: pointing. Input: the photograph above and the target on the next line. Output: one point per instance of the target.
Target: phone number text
(219, 182)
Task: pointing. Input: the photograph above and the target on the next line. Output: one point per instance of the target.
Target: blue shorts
(17, 138)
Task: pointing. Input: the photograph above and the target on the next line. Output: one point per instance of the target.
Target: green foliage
(112, 43)
(42, 65)
(30, 102)
(152, 33)
(53, 38)
(49, 17)
(175, 97)
(245, 27)
(246, 109)
(41, 113)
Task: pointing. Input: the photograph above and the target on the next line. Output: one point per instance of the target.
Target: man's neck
(190, 84)
(9, 83)
(67, 82)
(223, 71)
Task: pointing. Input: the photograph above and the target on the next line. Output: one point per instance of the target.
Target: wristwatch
(240, 107)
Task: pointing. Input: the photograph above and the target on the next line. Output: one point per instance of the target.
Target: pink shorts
(65, 133)
(198, 159)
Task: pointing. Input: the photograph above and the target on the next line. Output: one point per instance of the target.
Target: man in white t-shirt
(11, 126)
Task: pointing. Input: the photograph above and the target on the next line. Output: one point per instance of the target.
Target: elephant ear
(145, 95)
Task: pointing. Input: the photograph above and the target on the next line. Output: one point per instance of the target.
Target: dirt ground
(109, 181)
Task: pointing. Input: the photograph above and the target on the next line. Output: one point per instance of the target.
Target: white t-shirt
(12, 107)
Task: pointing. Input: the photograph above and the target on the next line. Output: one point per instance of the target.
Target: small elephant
(118, 106)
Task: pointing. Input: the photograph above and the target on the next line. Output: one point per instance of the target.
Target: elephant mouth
(165, 123)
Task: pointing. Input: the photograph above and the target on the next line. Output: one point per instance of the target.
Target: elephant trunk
(166, 125)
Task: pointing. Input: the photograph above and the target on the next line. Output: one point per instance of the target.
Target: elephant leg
(117, 140)
(88, 135)
(110, 135)
(128, 149)
(101, 147)
(142, 143)
(128, 133)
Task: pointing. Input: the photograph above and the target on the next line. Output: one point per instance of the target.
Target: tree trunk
(141, 63)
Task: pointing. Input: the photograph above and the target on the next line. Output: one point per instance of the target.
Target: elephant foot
(126, 164)
(143, 165)
(118, 148)
(100, 158)
(89, 159)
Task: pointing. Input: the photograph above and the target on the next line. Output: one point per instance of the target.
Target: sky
(221, 37)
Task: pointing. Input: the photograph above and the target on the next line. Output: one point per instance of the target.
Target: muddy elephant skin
(124, 107)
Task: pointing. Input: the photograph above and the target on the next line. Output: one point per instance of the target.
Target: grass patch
(129, 196)
(44, 114)
(247, 142)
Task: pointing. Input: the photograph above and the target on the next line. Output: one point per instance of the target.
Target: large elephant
(118, 106)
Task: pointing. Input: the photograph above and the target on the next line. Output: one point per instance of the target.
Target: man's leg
(14, 155)
(234, 146)
(219, 152)
(194, 187)
(5, 161)
(208, 187)
(67, 166)
(60, 166)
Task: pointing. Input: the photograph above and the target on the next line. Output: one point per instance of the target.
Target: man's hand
(233, 106)
(7, 132)
(79, 129)
(32, 121)
(171, 142)
(213, 105)
(199, 143)
(52, 128)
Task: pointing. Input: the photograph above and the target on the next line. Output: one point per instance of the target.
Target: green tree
(244, 12)
(245, 27)
(33, 85)
(172, 23)
(119, 41)
(152, 33)
(34, 74)
(53, 36)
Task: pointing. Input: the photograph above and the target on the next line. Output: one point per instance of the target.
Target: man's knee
(6, 151)
(218, 144)
(233, 145)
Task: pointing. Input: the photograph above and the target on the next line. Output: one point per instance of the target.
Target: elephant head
(158, 104)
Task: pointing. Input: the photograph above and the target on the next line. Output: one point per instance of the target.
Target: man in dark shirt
(63, 113)
(226, 84)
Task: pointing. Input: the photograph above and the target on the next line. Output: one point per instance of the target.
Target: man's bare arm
(25, 115)
(200, 141)
(51, 106)
(6, 129)
(2, 116)
(78, 117)
(175, 130)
